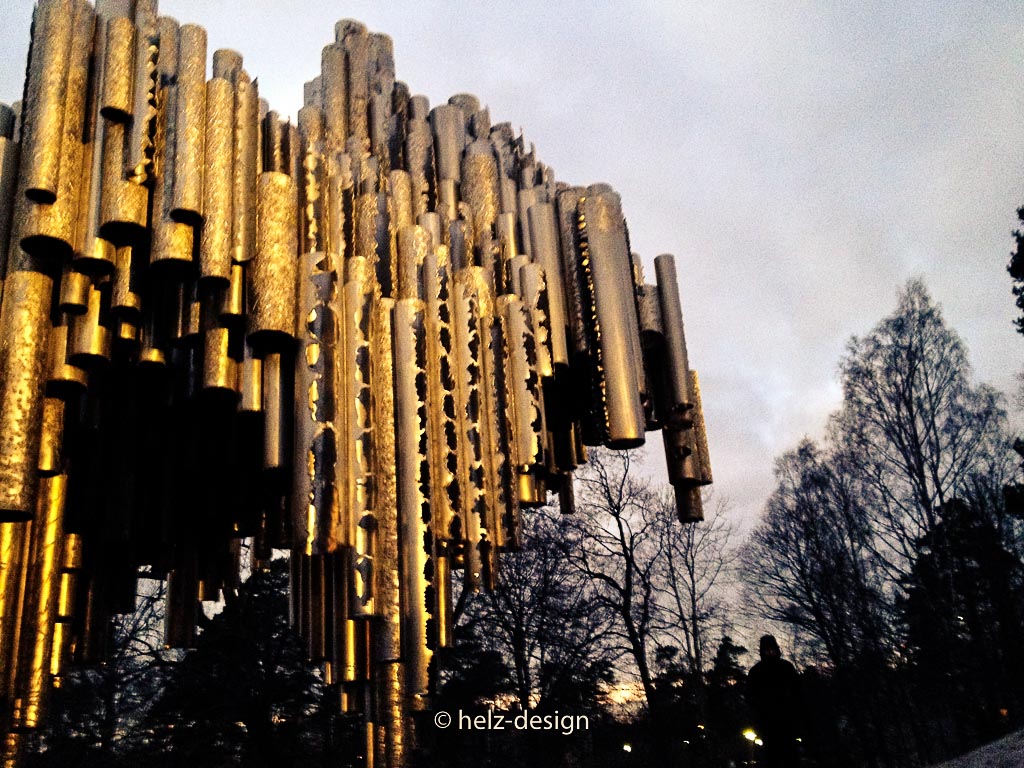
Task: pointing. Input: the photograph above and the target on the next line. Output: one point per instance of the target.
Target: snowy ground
(1008, 752)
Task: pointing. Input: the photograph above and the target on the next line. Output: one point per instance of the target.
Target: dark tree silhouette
(1016, 270)
(880, 545)
(246, 695)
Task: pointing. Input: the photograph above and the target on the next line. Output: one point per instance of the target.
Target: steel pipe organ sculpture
(371, 338)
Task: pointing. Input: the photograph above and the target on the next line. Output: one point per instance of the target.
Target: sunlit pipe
(315, 495)
(606, 265)
(189, 155)
(45, 90)
(246, 151)
(216, 246)
(415, 565)
(353, 37)
(41, 603)
(334, 94)
(275, 269)
(25, 328)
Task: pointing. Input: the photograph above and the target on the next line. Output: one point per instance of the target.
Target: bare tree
(101, 708)
(915, 427)
(695, 568)
(543, 617)
(854, 547)
(616, 545)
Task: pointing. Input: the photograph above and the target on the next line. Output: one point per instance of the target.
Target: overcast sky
(801, 160)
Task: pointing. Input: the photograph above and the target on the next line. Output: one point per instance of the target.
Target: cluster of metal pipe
(371, 338)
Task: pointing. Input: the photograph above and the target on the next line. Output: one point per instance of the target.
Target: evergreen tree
(246, 695)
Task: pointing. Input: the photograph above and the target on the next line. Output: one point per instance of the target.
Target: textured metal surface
(43, 110)
(276, 265)
(24, 336)
(215, 248)
(413, 476)
(373, 338)
(189, 156)
(614, 319)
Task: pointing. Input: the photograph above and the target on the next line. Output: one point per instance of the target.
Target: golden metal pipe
(74, 291)
(14, 554)
(124, 204)
(527, 408)
(44, 112)
(232, 304)
(535, 293)
(353, 37)
(173, 241)
(182, 603)
(545, 250)
(413, 247)
(10, 152)
(442, 393)
(652, 341)
(41, 602)
(334, 94)
(60, 374)
(25, 328)
(413, 475)
(51, 445)
(92, 250)
(390, 733)
(49, 227)
(216, 246)
(381, 128)
(227, 64)
(117, 90)
(479, 191)
(276, 265)
(566, 204)
(138, 157)
(252, 384)
(125, 299)
(246, 155)
(483, 493)
(354, 388)
(274, 438)
(220, 369)
(312, 184)
(189, 155)
(89, 339)
(449, 129)
(401, 211)
(614, 318)
(373, 467)
(419, 160)
(381, 64)
(700, 431)
(315, 496)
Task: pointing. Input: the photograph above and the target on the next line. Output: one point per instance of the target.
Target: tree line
(889, 560)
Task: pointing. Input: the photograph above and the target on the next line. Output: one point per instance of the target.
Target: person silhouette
(773, 692)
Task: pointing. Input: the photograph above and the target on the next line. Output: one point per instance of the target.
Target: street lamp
(751, 736)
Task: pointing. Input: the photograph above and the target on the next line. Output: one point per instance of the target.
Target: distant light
(759, 742)
(749, 734)
(700, 727)
(799, 739)
(686, 741)
(627, 747)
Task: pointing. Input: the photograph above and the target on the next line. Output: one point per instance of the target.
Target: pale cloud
(801, 159)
